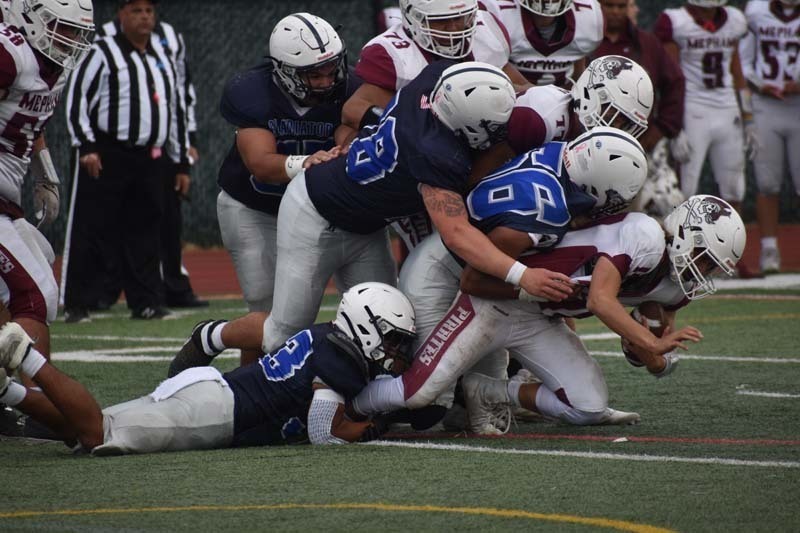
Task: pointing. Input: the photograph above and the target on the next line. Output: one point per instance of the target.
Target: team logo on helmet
(612, 67)
(710, 209)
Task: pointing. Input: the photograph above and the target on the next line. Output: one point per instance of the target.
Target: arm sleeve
(8, 68)
(83, 97)
(526, 129)
(320, 416)
(747, 56)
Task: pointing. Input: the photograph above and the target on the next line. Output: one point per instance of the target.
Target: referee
(127, 120)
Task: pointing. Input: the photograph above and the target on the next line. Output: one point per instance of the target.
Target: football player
(770, 56)
(535, 196)
(333, 217)
(703, 36)
(430, 30)
(294, 394)
(622, 256)
(41, 41)
(287, 115)
(620, 262)
(550, 38)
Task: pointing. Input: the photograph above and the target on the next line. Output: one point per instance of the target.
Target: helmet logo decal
(709, 209)
(613, 66)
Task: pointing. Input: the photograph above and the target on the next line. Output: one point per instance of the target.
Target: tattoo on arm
(449, 203)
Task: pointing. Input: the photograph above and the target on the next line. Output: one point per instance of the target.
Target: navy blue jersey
(531, 193)
(253, 99)
(379, 179)
(272, 397)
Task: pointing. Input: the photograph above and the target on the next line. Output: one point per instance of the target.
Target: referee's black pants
(177, 288)
(116, 221)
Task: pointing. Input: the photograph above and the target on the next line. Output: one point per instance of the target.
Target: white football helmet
(610, 86)
(707, 3)
(378, 318)
(301, 43)
(453, 44)
(62, 30)
(609, 165)
(475, 101)
(661, 192)
(707, 233)
(548, 8)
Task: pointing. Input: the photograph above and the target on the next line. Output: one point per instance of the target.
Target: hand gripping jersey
(706, 52)
(30, 87)
(774, 38)
(252, 99)
(392, 59)
(541, 114)
(272, 397)
(633, 242)
(378, 181)
(549, 61)
(530, 194)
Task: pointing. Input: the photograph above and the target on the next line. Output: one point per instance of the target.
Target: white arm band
(42, 167)
(294, 164)
(320, 416)
(515, 273)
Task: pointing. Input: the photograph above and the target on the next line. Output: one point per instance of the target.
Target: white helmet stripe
(313, 30)
(606, 133)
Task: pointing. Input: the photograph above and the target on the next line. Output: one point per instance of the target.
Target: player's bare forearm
(519, 81)
(739, 81)
(366, 96)
(344, 135)
(259, 150)
(449, 214)
(510, 242)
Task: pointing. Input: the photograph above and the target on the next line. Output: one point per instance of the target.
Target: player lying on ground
(294, 394)
(623, 257)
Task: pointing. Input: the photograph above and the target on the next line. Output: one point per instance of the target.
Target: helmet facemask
(296, 79)
(449, 44)
(547, 8)
(615, 117)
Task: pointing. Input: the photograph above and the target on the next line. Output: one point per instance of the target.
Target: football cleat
(487, 404)
(612, 417)
(14, 345)
(191, 353)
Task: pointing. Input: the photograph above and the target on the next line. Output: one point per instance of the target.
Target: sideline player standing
(770, 57)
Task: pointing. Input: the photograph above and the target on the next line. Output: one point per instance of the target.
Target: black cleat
(191, 353)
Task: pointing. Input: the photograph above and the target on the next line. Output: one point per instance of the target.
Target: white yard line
(587, 455)
(767, 394)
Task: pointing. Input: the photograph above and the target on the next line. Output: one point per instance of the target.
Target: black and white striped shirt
(130, 96)
(174, 45)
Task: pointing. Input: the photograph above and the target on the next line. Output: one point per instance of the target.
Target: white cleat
(612, 417)
(487, 404)
(770, 261)
(14, 345)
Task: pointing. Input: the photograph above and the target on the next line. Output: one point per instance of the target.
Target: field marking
(767, 394)
(484, 511)
(593, 438)
(587, 455)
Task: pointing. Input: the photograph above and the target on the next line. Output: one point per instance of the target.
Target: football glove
(680, 148)
(46, 197)
(751, 142)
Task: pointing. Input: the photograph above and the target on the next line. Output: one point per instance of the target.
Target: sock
(513, 392)
(381, 396)
(13, 394)
(211, 337)
(32, 362)
(548, 403)
(769, 242)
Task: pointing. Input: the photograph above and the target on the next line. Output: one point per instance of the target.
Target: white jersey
(633, 242)
(30, 87)
(540, 115)
(392, 59)
(770, 53)
(542, 61)
(705, 53)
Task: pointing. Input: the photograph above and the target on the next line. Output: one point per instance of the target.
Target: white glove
(46, 197)
(672, 362)
(751, 143)
(680, 148)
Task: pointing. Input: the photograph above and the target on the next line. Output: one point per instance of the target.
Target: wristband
(515, 273)
(371, 117)
(294, 164)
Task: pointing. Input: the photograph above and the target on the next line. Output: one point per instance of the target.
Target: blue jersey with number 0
(272, 397)
(531, 193)
(379, 179)
(253, 99)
